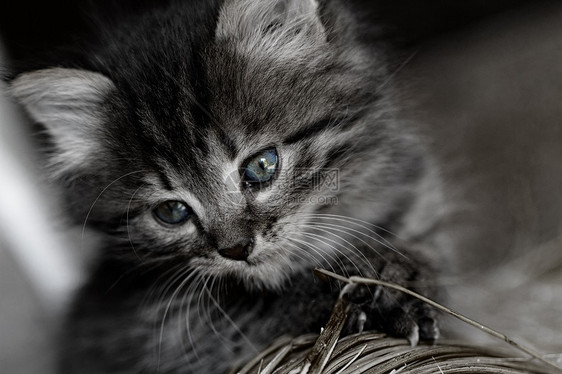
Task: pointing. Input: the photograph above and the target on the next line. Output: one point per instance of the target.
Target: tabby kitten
(222, 150)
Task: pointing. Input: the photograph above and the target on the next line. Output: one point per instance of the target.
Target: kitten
(222, 150)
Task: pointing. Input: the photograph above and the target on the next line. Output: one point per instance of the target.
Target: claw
(414, 336)
(377, 294)
(348, 290)
(429, 330)
(361, 319)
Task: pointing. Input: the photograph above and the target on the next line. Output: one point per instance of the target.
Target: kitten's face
(222, 166)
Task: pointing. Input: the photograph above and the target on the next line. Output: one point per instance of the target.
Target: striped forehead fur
(280, 30)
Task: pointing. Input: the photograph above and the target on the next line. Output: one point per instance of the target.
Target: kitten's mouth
(243, 261)
(219, 263)
(254, 272)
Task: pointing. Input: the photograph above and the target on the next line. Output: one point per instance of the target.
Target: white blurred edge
(26, 228)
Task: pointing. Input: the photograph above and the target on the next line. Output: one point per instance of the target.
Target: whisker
(99, 196)
(201, 313)
(358, 222)
(187, 301)
(176, 272)
(323, 239)
(122, 276)
(363, 223)
(344, 229)
(127, 221)
(166, 310)
(347, 230)
(320, 252)
(398, 69)
(300, 252)
(210, 320)
(232, 323)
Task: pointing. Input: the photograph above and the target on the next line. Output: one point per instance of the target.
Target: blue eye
(172, 212)
(262, 167)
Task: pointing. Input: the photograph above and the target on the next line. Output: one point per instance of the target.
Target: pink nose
(239, 251)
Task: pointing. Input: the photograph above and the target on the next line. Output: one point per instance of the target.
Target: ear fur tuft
(277, 29)
(68, 102)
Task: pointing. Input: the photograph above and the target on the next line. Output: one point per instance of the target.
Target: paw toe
(401, 324)
(429, 330)
(414, 336)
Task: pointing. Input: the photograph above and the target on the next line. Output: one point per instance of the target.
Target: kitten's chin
(254, 274)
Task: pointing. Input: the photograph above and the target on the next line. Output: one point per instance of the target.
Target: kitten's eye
(172, 212)
(262, 167)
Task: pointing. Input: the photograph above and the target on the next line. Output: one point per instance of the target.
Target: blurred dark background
(33, 27)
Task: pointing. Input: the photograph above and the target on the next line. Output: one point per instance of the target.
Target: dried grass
(375, 353)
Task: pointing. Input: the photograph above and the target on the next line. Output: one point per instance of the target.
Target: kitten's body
(169, 107)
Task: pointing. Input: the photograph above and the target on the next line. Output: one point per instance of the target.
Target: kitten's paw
(392, 311)
(410, 320)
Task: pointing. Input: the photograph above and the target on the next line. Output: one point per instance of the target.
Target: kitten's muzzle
(239, 251)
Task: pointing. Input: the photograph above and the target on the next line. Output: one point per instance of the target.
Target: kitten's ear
(279, 28)
(68, 103)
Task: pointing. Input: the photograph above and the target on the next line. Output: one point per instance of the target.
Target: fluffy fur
(169, 105)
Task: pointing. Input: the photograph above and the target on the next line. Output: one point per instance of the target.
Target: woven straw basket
(375, 353)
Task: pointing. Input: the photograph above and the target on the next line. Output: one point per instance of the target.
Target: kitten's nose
(239, 251)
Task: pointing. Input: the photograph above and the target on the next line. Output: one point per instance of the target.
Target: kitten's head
(211, 135)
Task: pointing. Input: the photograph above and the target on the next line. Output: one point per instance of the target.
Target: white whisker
(319, 251)
(187, 301)
(363, 224)
(346, 230)
(232, 323)
(324, 240)
(100, 195)
(166, 310)
(127, 221)
(301, 253)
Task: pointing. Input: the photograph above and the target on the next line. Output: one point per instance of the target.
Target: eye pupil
(172, 212)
